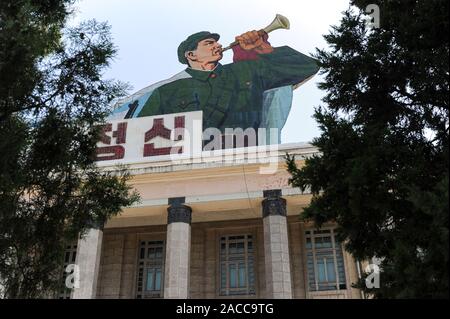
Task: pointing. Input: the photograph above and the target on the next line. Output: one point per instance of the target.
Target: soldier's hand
(252, 40)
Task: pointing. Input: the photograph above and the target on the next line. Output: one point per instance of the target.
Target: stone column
(276, 246)
(88, 261)
(178, 248)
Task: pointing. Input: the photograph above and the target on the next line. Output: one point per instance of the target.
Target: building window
(325, 261)
(237, 274)
(150, 276)
(70, 256)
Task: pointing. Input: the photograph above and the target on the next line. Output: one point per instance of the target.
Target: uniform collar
(204, 75)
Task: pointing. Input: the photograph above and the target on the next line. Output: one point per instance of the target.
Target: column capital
(273, 204)
(272, 193)
(178, 212)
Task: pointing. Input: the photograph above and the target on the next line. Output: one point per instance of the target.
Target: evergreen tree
(52, 99)
(383, 175)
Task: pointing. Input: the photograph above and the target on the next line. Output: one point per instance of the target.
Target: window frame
(312, 234)
(248, 292)
(149, 264)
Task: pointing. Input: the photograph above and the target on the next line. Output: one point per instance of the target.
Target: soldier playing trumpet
(231, 95)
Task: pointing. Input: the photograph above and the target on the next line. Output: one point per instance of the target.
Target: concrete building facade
(223, 226)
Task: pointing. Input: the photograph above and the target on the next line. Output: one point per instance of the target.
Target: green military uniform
(231, 95)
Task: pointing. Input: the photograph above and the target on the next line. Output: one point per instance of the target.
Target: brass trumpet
(280, 22)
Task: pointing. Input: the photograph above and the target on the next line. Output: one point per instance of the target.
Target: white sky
(147, 34)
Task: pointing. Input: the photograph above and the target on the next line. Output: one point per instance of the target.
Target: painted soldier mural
(255, 91)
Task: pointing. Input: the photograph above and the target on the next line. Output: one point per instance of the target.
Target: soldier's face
(208, 50)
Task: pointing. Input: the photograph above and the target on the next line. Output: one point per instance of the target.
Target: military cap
(191, 43)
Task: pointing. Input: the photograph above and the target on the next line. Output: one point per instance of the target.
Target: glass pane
(232, 248)
(159, 252)
(341, 272)
(67, 257)
(223, 276)
(140, 279)
(149, 285)
(242, 280)
(326, 242)
(341, 277)
(74, 257)
(310, 266)
(330, 270)
(251, 277)
(318, 242)
(240, 248)
(151, 253)
(142, 255)
(321, 271)
(233, 277)
(158, 279)
(308, 243)
(340, 264)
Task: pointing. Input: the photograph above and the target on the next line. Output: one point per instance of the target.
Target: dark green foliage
(52, 98)
(383, 173)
